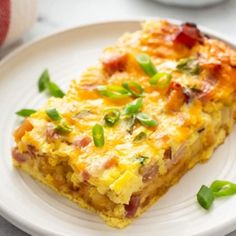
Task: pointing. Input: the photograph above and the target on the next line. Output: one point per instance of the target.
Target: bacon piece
(188, 35)
(188, 95)
(213, 68)
(149, 172)
(176, 97)
(114, 62)
(26, 126)
(82, 142)
(20, 157)
(133, 205)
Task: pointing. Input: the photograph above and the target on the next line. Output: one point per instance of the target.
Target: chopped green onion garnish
(54, 90)
(112, 116)
(146, 64)
(133, 107)
(113, 91)
(205, 197)
(142, 159)
(98, 135)
(25, 112)
(189, 65)
(146, 119)
(53, 114)
(161, 80)
(130, 123)
(63, 129)
(221, 188)
(142, 135)
(134, 88)
(43, 81)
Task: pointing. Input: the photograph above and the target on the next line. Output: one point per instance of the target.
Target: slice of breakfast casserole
(159, 102)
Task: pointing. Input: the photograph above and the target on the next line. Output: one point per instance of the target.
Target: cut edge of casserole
(194, 113)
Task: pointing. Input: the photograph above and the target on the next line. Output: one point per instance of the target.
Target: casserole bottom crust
(59, 177)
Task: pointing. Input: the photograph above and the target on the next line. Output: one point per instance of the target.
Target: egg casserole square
(157, 103)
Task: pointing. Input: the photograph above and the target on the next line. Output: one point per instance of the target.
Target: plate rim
(33, 228)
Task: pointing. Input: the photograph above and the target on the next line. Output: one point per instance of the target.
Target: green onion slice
(113, 91)
(54, 90)
(53, 114)
(161, 80)
(141, 136)
(130, 124)
(222, 188)
(189, 65)
(111, 117)
(25, 112)
(133, 107)
(205, 197)
(43, 81)
(146, 119)
(146, 64)
(63, 129)
(98, 135)
(134, 88)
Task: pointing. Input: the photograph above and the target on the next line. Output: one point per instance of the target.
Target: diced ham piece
(176, 97)
(206, 90)
(31, 150)
(85, 175)
(180, 152)
(188, 35)
(210, 82)
(19, 157)
(133, 205)
(168, 154)
(51, 135)
(114, 62)
(82, 142)
(176, 156)
(149, 172)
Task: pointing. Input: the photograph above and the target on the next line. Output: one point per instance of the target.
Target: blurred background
(32, 19)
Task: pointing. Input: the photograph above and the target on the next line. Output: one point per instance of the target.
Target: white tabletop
(54, 15)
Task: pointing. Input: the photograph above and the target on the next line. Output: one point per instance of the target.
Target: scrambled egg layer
(115, 169)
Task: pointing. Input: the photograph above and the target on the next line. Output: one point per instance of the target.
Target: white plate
(38, 210)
